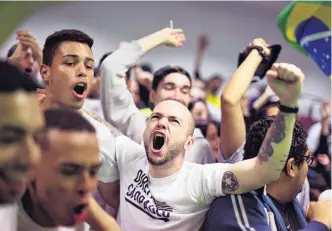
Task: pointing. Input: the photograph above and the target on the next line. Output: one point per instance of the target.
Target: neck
(49, 102)
(36, 212)
(165, 170)
(277, 190)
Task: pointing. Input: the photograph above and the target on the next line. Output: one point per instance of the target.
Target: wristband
(287, 109)
(261, 52)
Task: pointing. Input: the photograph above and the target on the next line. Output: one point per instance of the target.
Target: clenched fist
(286, 80)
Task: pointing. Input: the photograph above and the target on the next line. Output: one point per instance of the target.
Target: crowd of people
(116, 145)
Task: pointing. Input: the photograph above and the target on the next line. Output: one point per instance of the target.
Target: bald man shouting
(160, 191)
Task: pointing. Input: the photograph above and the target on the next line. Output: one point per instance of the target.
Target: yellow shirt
(213, 99)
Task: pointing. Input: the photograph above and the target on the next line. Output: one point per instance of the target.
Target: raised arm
(233, 128)
(118, 105)
(201, 47)
(286, 81)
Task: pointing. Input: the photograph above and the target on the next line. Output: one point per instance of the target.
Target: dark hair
(12, 50)
(146, 67)
(104, 57)
(194, 102)
(162, 72)
(66, 119)
(216, 77)
(273, 101)
(54, 40)
(12, 79)
(258, 131)
(203, 126)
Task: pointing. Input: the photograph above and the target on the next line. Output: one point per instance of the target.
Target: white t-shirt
(8, 217)
(106, 134)
(94, 106)
(25, 223)
(177, 202)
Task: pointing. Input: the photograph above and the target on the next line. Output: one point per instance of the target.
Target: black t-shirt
(287, 211)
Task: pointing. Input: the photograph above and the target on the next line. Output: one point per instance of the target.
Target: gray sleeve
(236, 156)
(117, 102)
(200, 153)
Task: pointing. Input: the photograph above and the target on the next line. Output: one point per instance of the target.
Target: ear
(291, 168)
(190, 141)
(45, 73)
(152, 95)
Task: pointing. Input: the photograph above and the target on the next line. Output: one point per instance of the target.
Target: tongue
(81, 217)
(80, 213)
(28, 70)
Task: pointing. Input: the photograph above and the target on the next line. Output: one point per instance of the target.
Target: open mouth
(28, 70)
(80, 88)
(158, 141)
(80, 212)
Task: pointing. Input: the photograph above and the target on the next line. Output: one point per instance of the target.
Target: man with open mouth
(60, 194)
(20, 120)
(159, 190)
(169, 82)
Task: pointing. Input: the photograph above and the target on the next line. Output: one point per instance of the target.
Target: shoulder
(235, 211)
(100, 124)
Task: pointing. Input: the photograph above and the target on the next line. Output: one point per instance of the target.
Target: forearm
(232, 131)
(233, 128)
(254, 173)
(99, 220)
(117, 102)
(241, 79)
(260, 101)
(276, 146)
(151, 41)
(198, 64)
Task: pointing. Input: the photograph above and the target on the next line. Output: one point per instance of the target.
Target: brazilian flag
(306, 25)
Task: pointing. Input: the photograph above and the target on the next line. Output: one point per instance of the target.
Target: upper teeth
(159, 135)
(80, 84)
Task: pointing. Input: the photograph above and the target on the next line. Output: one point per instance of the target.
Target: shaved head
(177, 109)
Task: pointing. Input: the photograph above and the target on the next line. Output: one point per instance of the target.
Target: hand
(324, 160)
(261, 43)
(41, 94)
(28, 40)
(123, 43)
(17, 56)
(173, 37)
(320, 211)
(325, 110)
(286, 80)
(203, 42)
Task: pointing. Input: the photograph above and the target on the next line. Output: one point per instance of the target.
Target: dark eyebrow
(13, 129)
(169, 83)
(156, 113)
(174, 117)
(78, 166)
(76, 57)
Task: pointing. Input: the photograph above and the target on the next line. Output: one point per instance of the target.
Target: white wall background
(229, 25)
